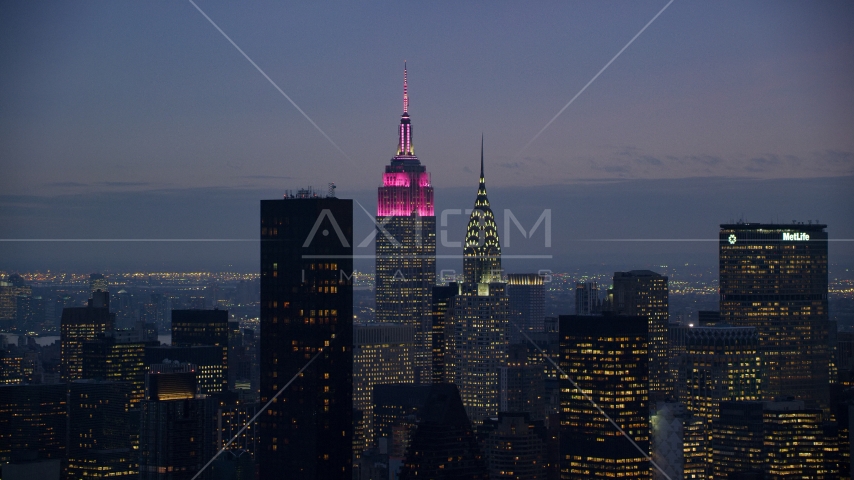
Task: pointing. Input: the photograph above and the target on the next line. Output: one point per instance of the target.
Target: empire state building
(406, 245)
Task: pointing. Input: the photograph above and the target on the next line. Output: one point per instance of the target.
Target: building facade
(406, 245)
(307, 312)
(774, 277)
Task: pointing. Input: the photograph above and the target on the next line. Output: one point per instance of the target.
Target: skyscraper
(306, 310)
(587, 300)
(382, 354)
(406, 245)
(774, 277)
(80, 324)
(607, 357)
(482, 253)
(442, 297)
(716, 364)
(197, 328)
(527, 293)
(645, 293)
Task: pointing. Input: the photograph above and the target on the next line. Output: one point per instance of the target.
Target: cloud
(123, 184)
(66, 184)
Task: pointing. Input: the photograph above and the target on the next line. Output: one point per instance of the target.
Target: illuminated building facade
(527, 294)
(780, 439)
(382, 354)
(645, 293)
(306, 308)
(209, 372)
(482, 253)
(101, 428)
(774, 277)
(678, 441)
(607, 358)
(717, 364)
(406, 245)
(106, 359)
(197, 328)
(80, 324)
(476, 346)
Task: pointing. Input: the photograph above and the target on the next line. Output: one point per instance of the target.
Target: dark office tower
(97, 283)
(209, 374)
(197, 328)
(78, 325)
(737, 440)
(716, 364)
(645, 293)
(443, 444)
(30, 314)
(306, 308)
(521, 384)
(442, 295)
(176, 437)
(406, 245)
(514, 447)
(9, 292)
(100, 426)
(482, 253)
(774, 277)
(607, 357)
(107, 359)
(708, 318)
(527, 294)
(587, 298)
(33, 422)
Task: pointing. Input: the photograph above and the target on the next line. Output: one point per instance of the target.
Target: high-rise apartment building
(645, 293)
(306, 311)
(81, 324)
(406, 245)
(607, 358)
(382, 354)
(774, 277)
(527, 294)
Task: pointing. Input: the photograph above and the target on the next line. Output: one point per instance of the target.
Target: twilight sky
(122, 119)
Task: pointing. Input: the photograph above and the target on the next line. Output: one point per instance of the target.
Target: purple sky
(117, 102)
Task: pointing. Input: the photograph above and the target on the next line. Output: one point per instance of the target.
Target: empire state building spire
(404, 142)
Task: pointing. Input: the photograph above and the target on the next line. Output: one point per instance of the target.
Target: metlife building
(774, 277)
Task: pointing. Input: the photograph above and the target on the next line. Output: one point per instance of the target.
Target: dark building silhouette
(527, 294)
(105, 358)
(774, 277)
(80, 324)
(406, 245)
(176, 437)
(306, 306)
(514, 447)
(396, 410)
(607, 357)
(101, 429)
(198, 328)
(521, 384)
(442, 297)
(443, 444)
(33, 422)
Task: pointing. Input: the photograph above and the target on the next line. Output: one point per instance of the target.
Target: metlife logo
(795, 237)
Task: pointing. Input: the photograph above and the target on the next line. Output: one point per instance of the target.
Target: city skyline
(720, 114)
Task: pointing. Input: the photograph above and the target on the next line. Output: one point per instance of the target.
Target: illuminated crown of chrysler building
(406, 244)
(482, 254)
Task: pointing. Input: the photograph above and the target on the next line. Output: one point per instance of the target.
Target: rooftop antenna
(330, 193)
